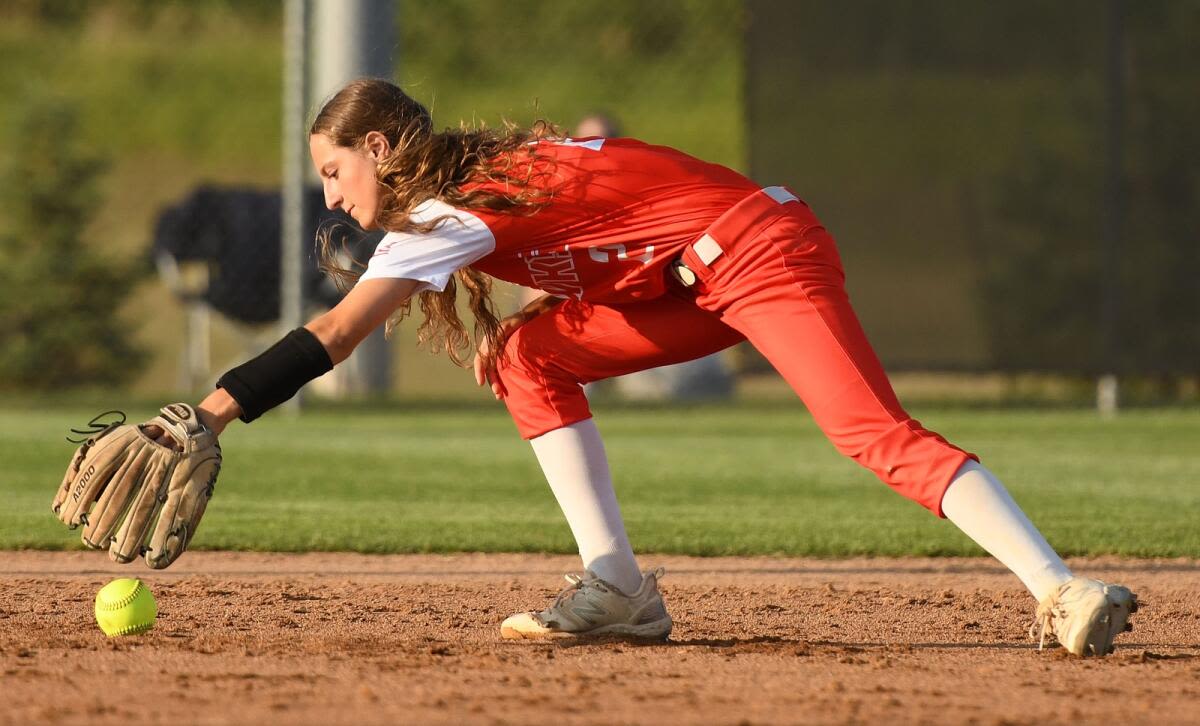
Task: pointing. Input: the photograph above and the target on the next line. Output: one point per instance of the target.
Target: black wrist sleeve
(263, 383)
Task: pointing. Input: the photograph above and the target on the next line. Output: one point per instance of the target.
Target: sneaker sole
(657, 630)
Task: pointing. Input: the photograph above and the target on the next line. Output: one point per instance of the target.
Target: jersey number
(609, 253)
(613, 252)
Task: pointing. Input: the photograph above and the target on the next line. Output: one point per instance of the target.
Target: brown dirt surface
(360, 639)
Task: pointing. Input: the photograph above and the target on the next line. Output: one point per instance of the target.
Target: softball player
(648, 257)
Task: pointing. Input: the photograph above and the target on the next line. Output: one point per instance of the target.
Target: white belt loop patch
(780, 195)
(707, 249)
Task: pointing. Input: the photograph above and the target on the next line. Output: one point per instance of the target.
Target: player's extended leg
(784, 291)
(787, 296)
(547, 362)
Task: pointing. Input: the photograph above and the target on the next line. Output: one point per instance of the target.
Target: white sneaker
(1085, 615)
(591, 606)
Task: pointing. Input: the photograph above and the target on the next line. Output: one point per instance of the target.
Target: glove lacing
(95, 426)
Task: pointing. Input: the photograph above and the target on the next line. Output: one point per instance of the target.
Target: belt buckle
(683, 273)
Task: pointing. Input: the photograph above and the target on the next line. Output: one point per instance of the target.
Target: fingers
(484, 364)
(187, 496)
(159, 436)
(485, 372)
(127, 483)
(479, 369)
(68, 481)
(498, 389)
(100, 463)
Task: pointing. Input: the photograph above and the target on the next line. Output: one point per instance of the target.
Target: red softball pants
(778, 283)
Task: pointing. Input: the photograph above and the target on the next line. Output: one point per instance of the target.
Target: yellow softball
(125, 607)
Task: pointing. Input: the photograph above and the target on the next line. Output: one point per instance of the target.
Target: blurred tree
(58, 296)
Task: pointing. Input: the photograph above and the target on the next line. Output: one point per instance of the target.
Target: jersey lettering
(555, 273)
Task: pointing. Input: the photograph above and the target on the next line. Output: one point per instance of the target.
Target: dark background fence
(1014, 186)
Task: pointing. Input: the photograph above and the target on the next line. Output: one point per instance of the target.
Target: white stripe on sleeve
(432, 258)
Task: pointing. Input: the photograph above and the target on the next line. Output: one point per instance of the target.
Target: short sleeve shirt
(432, 258)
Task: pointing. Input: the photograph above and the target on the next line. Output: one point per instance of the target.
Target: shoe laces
(578, 583)
(1049, 611)
(1044, 619)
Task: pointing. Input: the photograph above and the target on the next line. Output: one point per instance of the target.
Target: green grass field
(752, 478)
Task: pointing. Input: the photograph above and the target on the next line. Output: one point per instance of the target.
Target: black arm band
(263, 383)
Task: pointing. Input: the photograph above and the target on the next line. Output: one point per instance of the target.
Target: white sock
(981, 507)
(576, 467)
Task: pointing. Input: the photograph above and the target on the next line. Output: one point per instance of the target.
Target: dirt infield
(339, 638)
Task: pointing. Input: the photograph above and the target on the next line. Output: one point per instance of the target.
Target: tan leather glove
(142, 489)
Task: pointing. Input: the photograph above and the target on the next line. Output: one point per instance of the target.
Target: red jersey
(621, 211)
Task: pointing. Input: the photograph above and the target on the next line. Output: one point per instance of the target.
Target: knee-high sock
(576, 467)
(981, 507)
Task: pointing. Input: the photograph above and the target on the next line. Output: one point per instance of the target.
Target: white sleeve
(432, 258)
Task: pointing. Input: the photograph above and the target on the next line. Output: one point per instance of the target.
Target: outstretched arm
(366, 307)
(143, 488)
(338, 331)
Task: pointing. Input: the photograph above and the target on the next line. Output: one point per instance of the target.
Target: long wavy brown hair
(424, 165)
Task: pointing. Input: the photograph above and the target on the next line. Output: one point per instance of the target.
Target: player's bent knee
(917, 463)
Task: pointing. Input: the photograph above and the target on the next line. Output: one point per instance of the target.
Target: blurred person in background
(647, 257)
(597, 124)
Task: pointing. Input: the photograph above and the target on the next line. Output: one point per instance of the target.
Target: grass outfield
(708, 480)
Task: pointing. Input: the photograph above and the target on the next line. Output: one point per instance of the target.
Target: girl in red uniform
(648, 257)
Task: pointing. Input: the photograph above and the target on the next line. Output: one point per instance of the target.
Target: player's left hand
(485, 357)
(141, 490)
